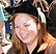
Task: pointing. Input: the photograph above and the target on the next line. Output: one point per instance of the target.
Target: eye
(16, 26)
(27, 25)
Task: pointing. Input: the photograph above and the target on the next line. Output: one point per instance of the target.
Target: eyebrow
(26, 22)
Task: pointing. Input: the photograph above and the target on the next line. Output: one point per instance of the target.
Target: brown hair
(18, 46)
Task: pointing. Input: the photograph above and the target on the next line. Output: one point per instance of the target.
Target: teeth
(25, 36)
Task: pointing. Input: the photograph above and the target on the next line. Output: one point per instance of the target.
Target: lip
(25, 36)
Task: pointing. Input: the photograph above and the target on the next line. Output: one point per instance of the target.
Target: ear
(38, 26)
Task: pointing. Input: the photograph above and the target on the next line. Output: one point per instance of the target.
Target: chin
(26, 41)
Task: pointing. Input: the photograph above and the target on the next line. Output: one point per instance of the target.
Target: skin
(27, 30)
(1, 50)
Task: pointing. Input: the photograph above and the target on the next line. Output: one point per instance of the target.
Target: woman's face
(25, 28)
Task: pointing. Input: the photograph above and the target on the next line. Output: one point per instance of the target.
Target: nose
(23, 29)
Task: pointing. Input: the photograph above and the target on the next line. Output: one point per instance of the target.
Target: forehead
(22, 18)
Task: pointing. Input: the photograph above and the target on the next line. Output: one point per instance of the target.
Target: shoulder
(52, 43)
(10, 51)
(52, 47)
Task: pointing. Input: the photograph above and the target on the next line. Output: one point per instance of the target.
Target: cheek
(33, 33)
(17, 31)
(33, 29)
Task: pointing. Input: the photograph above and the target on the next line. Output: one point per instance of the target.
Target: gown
(35, 51)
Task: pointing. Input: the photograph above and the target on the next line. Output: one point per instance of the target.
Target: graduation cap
(24, 7)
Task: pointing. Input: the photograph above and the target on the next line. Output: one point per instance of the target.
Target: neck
(32, 46)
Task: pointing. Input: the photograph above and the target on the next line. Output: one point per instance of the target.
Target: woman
(29, 35)
(43, 4)
(2, 23)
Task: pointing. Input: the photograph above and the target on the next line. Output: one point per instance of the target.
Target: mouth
(25, 36)
(16, 1)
